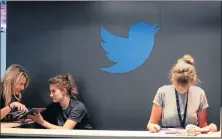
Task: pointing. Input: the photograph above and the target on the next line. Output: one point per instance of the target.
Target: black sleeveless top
(14, 113)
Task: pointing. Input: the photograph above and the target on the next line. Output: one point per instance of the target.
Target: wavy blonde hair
(184, 71)
(10, 78)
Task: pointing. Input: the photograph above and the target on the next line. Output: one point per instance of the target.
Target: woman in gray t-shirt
(181, 103)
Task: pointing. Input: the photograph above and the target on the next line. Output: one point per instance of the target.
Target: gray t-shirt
(166, 99)
(77, 112)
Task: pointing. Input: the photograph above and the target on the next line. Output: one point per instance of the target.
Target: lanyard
(182, 122)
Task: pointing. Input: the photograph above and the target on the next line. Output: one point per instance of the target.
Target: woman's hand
(37, 118)
(154, 128)
(212, 127)
(18, 105)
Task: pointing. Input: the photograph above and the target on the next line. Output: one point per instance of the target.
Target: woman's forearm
(5, 111)
(49, 125)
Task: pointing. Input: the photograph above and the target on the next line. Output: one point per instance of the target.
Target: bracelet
(10, 106)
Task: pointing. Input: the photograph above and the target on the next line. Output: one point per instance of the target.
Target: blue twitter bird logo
(129, 53)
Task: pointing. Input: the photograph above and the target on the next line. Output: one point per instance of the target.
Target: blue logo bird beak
(154, 28)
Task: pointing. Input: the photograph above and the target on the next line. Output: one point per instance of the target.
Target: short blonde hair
(184, 72)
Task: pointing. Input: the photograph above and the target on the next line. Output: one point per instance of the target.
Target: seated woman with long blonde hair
(13, 83)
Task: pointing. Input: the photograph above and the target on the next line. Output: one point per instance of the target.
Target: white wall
(3, 53)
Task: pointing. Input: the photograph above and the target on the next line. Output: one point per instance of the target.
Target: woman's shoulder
(77, 103)
(197, 90)
(165, 88)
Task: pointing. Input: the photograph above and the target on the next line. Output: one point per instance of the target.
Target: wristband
(10, 106)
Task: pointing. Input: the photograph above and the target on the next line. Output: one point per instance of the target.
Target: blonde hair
(67, 82)
(10, 78)
(184, 72)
